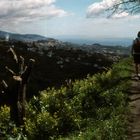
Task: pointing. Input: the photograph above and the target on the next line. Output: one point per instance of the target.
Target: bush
(8, 130)
(92, 108)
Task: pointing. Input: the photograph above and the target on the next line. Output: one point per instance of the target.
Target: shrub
(92, 108)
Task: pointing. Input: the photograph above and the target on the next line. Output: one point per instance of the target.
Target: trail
(134, 117)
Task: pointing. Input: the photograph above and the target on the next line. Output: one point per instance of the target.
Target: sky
(67, 18)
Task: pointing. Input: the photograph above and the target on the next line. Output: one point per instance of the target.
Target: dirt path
(134, 128)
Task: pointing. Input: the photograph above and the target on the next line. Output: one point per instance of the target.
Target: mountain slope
(21, 37)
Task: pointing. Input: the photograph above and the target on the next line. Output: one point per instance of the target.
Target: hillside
(92, 108)
(20, 37)
(74, 91)
(55, 64)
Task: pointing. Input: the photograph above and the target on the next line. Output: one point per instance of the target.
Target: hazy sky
(80, 18)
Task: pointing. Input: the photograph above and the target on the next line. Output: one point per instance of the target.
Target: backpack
(136, 45)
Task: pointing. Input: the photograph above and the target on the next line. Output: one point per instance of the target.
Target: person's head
(138, 34)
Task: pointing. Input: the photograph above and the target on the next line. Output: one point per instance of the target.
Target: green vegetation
(94, 108)
(57, 62)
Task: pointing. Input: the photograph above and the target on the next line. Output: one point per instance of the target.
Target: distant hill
(96, 47)
(73, 40)
(21, 37)
(103, 41)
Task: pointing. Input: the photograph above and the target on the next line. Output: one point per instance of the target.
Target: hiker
(136, 53)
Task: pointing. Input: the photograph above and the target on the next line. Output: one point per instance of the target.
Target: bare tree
(129, 6)
(16, 89)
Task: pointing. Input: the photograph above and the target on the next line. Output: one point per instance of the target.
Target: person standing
(136, 53)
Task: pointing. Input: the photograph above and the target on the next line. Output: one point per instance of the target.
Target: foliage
(130, 6)
(92, 108)
(56, 64)
(8, 130)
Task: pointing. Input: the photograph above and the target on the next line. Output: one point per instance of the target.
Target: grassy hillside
(94, 108)
(54, 65)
